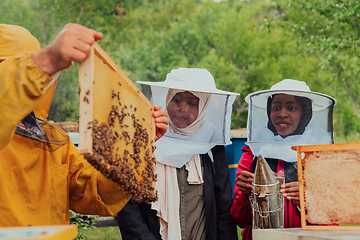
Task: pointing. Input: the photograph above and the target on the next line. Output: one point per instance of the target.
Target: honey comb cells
(329, 186)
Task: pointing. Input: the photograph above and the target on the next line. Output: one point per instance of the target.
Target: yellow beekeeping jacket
(38, 187)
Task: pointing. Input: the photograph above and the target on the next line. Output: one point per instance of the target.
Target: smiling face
(285, 114)
(183, 109)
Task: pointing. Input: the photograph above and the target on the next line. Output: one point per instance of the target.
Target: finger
(161, 114)
(293, 194)
(289, 188)
(77, 55)
(293, 199)
(157, 107)
(162, 127)
(247, 176)
(162, 123)
(290, 184)
(83, 33)
(292, 190)
(98, 36)
(244, 185)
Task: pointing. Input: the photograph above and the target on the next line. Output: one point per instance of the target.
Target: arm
(25, 76)
(241, 208)
(89, 191)
(226, 228)
(21, 87)
(131, 223)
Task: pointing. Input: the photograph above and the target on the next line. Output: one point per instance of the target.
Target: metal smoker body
(266, 200)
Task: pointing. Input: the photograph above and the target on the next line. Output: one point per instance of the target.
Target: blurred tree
(330, 29)
(242, 43)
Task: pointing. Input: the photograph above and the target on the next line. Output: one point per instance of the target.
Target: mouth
(283, 125)
(180, 118)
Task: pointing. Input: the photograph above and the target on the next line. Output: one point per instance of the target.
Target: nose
(283, 113)
(182, 107)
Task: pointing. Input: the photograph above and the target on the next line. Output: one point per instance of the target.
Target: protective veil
(215, 129)
(182, 146)
(315, 126)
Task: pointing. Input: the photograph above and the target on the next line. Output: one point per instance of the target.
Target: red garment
(241, 208)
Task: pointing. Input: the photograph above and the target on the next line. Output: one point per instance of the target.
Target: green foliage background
(246, 45)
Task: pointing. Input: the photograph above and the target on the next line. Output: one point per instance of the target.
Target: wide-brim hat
(190, 79)
(15, 40)
(291, 87)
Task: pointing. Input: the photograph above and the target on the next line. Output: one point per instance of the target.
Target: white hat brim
(187, 87)
(319, 100)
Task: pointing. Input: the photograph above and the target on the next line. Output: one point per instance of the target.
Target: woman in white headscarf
(287, 114)
(193, 184)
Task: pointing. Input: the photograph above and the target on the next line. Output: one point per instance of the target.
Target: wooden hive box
(116, 126)
(329, 185)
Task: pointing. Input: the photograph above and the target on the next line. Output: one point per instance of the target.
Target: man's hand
(73, 43)
(161, 122)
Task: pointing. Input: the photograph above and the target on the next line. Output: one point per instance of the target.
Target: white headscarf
(204, 101)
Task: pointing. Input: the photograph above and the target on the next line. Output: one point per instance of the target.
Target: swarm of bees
(121, 165)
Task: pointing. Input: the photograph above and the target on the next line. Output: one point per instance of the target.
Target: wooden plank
(117, 129)
(55, 232)
(327, 147)
(329, 186)
(300, 234)
(86, 79)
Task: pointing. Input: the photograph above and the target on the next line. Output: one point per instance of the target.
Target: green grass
(108, 233)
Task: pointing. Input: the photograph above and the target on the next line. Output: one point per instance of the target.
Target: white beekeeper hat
(218, 114)
(319, 130)
(190, 79)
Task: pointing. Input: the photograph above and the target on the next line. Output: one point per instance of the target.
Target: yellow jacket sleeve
(22, 84)
(89, 191)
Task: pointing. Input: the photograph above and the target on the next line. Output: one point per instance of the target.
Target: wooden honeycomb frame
(116, 126)
(336, 175)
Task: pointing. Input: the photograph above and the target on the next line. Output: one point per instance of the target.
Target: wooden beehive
(329, 185)
(116, 126)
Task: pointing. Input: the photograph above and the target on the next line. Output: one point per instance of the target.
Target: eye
(193, 104)
(292, 109)
(274, 108)
(176, 100)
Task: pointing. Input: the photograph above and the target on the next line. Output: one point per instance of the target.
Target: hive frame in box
(306, 151)
(110, 100)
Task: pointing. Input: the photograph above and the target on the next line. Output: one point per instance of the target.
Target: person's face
(183, 109)
(285, 114)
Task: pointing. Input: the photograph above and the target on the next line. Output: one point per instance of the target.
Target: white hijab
(178, 145)
(204, 101)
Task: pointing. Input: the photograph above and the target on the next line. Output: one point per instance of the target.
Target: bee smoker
(266, 200)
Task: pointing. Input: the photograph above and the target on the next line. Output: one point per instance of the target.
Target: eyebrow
(196, 98)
